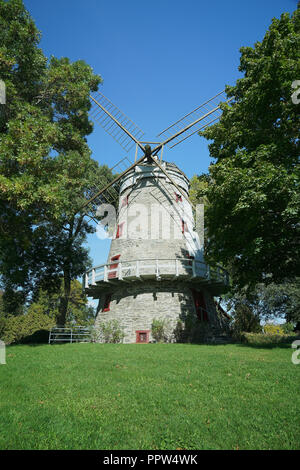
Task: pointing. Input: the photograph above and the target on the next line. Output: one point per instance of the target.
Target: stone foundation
(135, 307)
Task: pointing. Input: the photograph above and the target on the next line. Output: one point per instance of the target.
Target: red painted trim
(120, 230)
(106, 305)
(113, 274)
(144, 332)
(178, 197)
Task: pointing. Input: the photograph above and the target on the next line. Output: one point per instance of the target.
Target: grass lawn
(149, 396)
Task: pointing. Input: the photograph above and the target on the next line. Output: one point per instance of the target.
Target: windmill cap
(150, 170)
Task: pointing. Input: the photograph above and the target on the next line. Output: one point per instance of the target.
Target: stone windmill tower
(155, 268)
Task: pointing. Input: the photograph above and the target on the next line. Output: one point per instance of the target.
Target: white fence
(75, 334)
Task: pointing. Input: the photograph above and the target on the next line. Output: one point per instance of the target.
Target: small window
(142, 336)
(183, 226)
(178, 197)
(120, 230)
(106, 306)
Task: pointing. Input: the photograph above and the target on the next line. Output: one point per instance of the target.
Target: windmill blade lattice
(207, 113)
(110, 195)
(114, 121)
(128, 134)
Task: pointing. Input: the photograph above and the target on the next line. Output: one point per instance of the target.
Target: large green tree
(254, 199)
(78, 312)
(46, 168)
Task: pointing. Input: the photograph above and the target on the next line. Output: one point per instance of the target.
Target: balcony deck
(180, 269)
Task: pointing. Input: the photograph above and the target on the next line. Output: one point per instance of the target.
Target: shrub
(22, 328)
(158, 330)
(261, 339)
(270, 329)
(109, 332)
(288, 328)
(245, 320)
(192, 331)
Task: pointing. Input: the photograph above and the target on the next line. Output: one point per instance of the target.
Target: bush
(260, 338)
(288, 328)
(109, 332)
(22, 328)
(273, 330)
(245, 320)
(192, 331)
(158, 330)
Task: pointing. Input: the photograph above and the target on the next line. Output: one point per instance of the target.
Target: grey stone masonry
(136, 306)
(155, 222)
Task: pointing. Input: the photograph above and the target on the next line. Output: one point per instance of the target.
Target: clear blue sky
(159, 59)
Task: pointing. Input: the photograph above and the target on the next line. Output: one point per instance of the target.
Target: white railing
(72, 334)
(154, 268)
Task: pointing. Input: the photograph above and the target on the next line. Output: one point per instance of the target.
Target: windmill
(155, 268)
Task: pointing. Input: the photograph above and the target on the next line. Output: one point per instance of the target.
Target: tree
(280, 301)
(46, 170)
(254, 199)
(244, 319)
(78, 312)
(267, 302)
(199, 185)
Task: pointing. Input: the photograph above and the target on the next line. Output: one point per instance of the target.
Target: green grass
(154, 396)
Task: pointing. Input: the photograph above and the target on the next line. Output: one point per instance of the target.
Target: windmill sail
(205, 114)
(110, 195)
(128, 134)
(114, 122)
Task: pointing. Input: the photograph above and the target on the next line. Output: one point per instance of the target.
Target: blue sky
(159, 59)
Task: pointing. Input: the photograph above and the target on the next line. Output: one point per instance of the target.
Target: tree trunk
(64, 301)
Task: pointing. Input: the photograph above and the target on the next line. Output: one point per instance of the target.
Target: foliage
(17, 329)
(158, 330)
(280, 301)
(46, 168)
(244, 320)
(199, 185)
(271, 329)
(253, 212)
(270, 302)
(266, 339)
(288, 328)
(191, 331)
(109, 332)
(78, 312)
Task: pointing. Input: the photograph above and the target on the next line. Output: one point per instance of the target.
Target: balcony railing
(158, 269)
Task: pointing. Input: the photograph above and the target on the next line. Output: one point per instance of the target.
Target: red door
(200, 305)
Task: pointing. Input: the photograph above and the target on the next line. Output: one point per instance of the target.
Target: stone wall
(135, 307)
(151, 221)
